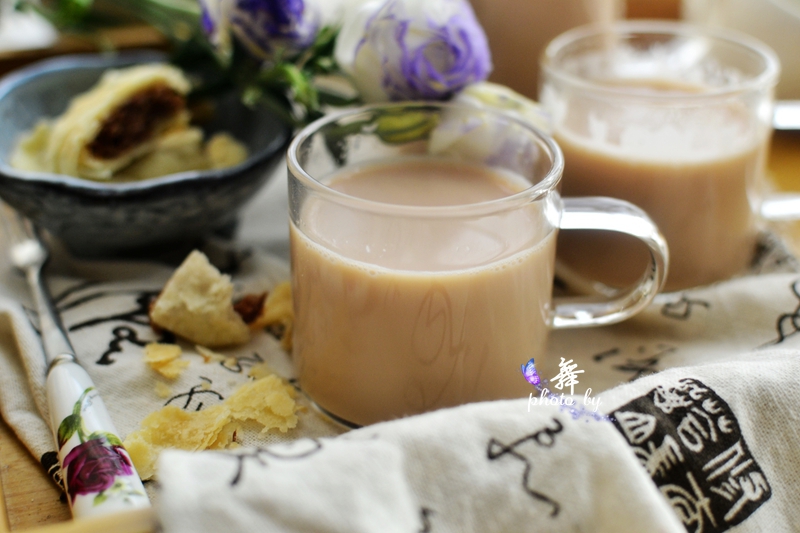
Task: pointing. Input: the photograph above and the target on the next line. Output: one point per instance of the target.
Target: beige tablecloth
(711, 443)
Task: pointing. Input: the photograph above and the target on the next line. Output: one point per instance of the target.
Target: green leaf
(76, 409)
(326, 39)
(293, 76)
(404, 126)
(252, 95)
(335, 139)
(318, 58)
(335, 99)
(112, 439)
(255, 95)
(67, 429)
(100, 498)
(72, 12)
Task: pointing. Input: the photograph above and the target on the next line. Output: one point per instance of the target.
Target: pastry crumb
(210, 356)
(163, 390)
(197, 304)
(268, 401)
(165, 359)
(277, 314)
(259, 370)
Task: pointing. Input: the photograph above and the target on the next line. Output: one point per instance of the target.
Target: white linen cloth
(727, 455)
(103, 305)
(459, 469)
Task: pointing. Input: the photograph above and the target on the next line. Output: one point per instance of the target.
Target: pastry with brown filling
(132, 125)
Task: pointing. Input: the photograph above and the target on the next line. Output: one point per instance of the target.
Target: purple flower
(413, 49)
(267, 28)
(270, 27)
(214, 19)
(92, 467)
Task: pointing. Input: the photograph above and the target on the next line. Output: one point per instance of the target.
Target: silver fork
(29, 255)
(81, 425)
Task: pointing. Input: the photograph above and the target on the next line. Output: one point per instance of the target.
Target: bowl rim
(24, 75)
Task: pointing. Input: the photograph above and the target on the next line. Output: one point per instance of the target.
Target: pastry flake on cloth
(267, 401)
(197, 304)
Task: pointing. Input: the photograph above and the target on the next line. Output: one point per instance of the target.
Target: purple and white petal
(413, 49)
(268, 28)
(475, 134)
(214, 19)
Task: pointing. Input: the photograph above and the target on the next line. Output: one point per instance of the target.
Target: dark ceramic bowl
(110, 219)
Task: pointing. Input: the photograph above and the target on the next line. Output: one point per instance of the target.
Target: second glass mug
(408, 299)
(676, 119)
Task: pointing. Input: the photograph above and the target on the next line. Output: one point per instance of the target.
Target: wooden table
(32, 499)
(784, 171)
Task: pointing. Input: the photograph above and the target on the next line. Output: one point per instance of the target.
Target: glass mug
(675, 119)
(422, 250)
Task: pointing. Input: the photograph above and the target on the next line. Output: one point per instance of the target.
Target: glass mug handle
(611, 214)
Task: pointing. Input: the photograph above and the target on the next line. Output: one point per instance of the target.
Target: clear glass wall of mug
(675, 119)
(422, 248)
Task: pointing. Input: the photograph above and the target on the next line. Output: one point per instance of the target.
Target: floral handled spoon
(98, 473)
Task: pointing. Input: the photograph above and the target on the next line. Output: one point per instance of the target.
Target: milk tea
(697, 181)
(397, 314)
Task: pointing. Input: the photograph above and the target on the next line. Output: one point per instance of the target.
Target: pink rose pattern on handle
(93, 466)
(98, 464)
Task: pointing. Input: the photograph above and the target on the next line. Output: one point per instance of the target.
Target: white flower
(476, 135)
(413, 49)
(501, 98)
(334, 12)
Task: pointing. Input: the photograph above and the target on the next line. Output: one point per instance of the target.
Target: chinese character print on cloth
(487, 467)
(719, 440)
(688, 424)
